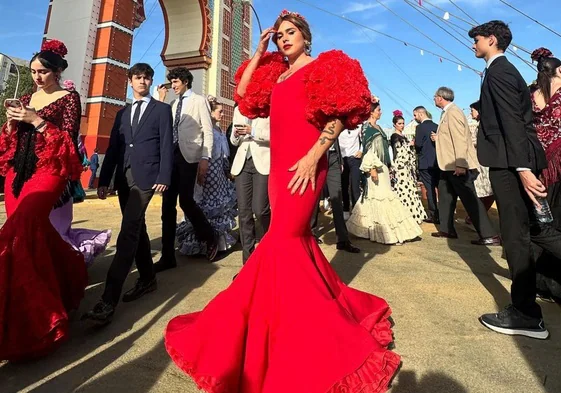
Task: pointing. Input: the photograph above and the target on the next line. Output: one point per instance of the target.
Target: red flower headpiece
(55, 46)
(398, 113)
(287, 12)
(541, 53)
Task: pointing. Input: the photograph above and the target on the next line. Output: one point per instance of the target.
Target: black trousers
(451, 187)
(519, 230)
(253, 199)
(133, 243)
(333, 182)
(350, 178)
(430, 178)
(183, 180)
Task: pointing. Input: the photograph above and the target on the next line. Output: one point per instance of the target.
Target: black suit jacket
(149, 151)
(425, 146)
(507, 137)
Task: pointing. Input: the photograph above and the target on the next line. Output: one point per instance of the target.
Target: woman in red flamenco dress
(41, 276)
(287, 323)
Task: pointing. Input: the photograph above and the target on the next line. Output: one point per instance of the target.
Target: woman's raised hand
(264, 40)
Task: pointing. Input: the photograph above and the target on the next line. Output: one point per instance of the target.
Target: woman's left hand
(26, 115)
(305, 173)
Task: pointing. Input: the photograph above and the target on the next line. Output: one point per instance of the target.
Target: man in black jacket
(508, 145)
(428, 168)
(140, 153)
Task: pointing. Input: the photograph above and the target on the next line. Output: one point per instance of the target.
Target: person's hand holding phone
(12, 123)
(242, 129)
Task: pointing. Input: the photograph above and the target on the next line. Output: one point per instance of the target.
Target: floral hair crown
(69, 85)
(374, 99)
(55, 46)
(398, 113)
(541, 53)
(287, 13)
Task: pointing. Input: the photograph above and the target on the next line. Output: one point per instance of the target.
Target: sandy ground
(437, 288)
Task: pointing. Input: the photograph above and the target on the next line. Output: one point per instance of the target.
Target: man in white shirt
(351, 151)
(251, 170)
(192, 138)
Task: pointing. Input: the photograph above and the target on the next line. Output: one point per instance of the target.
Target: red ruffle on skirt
(41, 276)
(280, 327)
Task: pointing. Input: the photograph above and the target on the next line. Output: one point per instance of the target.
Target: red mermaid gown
(41, 276)
(287, 323)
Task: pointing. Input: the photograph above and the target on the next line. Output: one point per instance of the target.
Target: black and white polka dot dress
(405, 186)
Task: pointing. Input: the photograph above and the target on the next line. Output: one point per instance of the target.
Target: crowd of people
(287, 293)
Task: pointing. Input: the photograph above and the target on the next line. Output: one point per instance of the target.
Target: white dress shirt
(143, 105)
(349, 141)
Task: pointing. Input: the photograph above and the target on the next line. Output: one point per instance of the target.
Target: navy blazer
(149, 151)
(425, 147)
(507, 137)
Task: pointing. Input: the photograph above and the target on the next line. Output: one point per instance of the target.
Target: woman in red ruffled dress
(41, 276)
(546, 108)
(287, 323)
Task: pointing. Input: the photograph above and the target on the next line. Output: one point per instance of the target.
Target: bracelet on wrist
(40, 126)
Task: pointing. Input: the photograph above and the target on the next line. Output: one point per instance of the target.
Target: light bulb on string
(459, 67)
(446, 16)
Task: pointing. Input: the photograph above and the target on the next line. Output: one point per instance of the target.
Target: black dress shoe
(515, 323)
(140, 289)
(101, 314)
(487, 241)
(347, 246)
(318, 240)
(164, 264)
(212, 248)
(444, 235)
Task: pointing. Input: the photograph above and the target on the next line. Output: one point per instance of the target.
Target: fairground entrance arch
(210, 37)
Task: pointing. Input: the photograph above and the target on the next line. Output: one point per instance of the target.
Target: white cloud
(353, 7)
(360, 35)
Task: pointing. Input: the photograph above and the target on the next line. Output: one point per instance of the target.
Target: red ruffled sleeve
(56, 148)
(256, 101)
(336, 87)
(9, 142)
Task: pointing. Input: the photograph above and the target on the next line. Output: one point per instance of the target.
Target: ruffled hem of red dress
(372, 376)
(57, 154)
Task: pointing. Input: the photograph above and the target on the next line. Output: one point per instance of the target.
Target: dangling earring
(57, 78)
(307, 48)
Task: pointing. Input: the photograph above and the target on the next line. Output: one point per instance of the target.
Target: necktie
(136, 116)
(176, 120)
(483, 75)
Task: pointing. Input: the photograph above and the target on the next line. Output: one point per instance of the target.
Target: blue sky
(389, 65)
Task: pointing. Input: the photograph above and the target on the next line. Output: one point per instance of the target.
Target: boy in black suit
(508, 145)
(140, 150)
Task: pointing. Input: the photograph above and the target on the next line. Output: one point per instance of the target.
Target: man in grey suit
(192, 139)
(251, 170)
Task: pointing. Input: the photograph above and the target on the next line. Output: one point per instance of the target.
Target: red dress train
(287, 323)
(41, 276)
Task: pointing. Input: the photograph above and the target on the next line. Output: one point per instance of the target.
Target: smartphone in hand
(12, 103)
